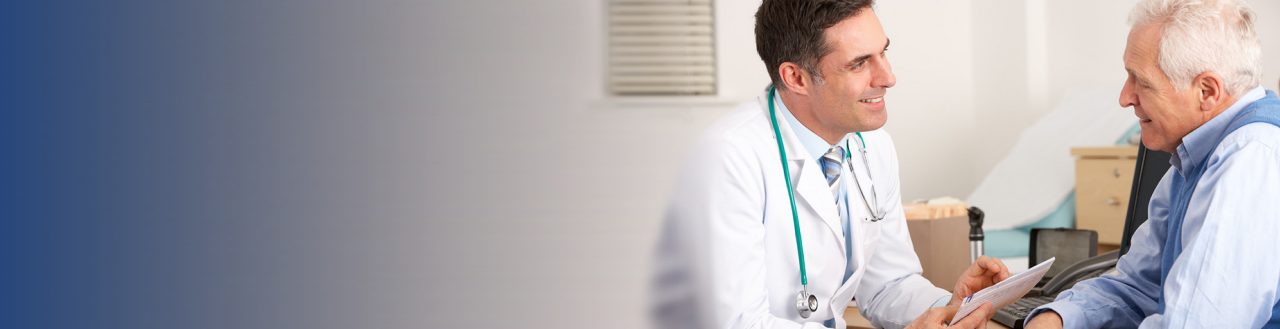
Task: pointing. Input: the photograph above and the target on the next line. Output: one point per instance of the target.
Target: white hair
(1205, 36)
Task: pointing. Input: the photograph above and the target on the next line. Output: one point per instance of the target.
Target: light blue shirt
(816, 147)
(1227, 275)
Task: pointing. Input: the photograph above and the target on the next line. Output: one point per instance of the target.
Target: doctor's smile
(875, 100)
(873, 103)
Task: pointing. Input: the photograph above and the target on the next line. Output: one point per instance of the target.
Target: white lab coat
(727, 255)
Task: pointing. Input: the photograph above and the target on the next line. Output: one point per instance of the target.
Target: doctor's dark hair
(793, 31)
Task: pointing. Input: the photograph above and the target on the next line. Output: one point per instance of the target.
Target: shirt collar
(815, 146)
(1196, 145)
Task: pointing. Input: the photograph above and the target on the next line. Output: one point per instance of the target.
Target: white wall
(1268, 26)
(1028, 54)
(931, 110)
(514, 92)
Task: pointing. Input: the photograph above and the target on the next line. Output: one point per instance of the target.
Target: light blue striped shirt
(1227, 275)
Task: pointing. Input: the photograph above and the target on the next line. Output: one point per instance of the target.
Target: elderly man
(1206, 256)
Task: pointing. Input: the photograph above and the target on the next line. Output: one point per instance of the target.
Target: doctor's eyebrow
(863, 58)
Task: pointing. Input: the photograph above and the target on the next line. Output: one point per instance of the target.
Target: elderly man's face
(1165, 114)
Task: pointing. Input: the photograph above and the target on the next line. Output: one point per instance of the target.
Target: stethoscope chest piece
(806, 303)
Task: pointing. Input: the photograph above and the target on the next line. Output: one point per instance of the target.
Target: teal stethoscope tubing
(791, 195)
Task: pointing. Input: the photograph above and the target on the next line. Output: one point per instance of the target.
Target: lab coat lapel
(813, 189)
(810, 184)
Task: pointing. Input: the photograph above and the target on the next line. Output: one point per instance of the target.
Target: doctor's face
(855, 75)
(1165, 114)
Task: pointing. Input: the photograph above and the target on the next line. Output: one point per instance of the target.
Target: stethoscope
(807, 303)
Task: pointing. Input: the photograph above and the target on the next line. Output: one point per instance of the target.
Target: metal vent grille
(661, 48)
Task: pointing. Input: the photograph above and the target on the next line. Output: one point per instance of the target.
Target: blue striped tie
(831, 168)
(831, 163)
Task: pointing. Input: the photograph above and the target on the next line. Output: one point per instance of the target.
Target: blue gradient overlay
(324, 164)
(166, 167)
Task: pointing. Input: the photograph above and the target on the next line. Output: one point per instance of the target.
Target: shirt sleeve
(1124, 297)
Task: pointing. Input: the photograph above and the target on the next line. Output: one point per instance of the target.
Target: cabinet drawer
(1102, 195)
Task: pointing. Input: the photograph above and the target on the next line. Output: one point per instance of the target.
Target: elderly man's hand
(938, 318)
(983, 273)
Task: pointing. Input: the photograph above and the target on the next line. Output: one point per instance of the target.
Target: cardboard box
(942, 243)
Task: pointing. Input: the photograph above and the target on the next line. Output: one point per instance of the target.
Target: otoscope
(975, 234)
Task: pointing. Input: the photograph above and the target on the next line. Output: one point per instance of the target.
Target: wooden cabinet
(1104, 178)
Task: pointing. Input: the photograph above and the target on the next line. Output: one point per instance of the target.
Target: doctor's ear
(1213, 91)
(796, 79)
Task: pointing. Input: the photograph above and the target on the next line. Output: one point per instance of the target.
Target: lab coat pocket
(868, 239)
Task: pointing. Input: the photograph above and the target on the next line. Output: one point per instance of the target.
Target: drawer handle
(1116, 172)
(1112, 201)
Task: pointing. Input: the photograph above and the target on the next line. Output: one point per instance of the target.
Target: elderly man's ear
(1213, 91)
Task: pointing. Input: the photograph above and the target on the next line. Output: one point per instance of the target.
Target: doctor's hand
(983, 273)
(939, 316)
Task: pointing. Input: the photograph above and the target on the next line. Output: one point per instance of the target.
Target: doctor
(790, 206)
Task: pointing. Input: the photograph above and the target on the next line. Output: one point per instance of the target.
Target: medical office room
(1007, 106)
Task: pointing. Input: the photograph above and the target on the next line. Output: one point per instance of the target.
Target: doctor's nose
(883, 76)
